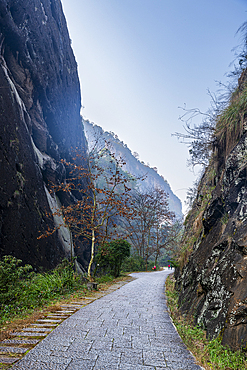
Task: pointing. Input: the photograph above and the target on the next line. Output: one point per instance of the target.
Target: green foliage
(111, 256)
(173, 263)
(224, 219)
(22, 291)
(137, 263)
(210, 353)
(133, 263)
(104, 279)
(11, 274)
(224, 358)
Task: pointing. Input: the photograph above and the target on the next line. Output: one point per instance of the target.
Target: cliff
(133, 165)
(40, 122)
(212, 279)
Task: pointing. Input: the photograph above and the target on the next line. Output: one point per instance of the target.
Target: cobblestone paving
(129, 329)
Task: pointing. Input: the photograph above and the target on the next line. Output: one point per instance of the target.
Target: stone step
(48, 320)
(72, 306)
(65, 312)
(25, 334)
(60, 313)
(8, 360)
(38, 329)
(56, 317)
(20, 341)
(44, 324)
(85, 298)
(83, 301)
(13, 349)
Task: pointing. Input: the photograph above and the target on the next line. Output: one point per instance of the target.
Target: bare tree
(150, 217)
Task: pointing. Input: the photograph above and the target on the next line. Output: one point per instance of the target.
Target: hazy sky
(139, 60)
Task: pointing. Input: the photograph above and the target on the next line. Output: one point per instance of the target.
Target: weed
(224, 219)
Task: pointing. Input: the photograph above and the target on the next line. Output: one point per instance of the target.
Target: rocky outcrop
(39, 125)
(213, 283)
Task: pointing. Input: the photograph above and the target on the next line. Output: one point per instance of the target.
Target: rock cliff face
(213, 282)
(39, 124)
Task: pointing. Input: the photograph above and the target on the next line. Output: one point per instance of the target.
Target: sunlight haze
(140, 60)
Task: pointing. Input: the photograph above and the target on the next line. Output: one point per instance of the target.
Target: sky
(140, 60)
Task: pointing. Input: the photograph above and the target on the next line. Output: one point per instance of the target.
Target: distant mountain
(133, 165)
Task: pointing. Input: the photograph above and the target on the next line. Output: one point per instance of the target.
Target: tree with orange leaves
(99, 191)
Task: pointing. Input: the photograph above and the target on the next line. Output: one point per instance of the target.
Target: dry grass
(229, 126)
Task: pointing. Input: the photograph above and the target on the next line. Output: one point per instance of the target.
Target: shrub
(105, 279)
(137, 263)
(11, 274)
(133, 263)
(111, 256)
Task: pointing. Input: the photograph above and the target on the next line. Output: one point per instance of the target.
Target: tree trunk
(92, 256)
(146, 262)
(71, 246)
(156, 257)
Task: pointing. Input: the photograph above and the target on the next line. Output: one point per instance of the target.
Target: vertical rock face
(39, 124)
(213, 283)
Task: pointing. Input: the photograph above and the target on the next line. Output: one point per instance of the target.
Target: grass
(104, 279)
(210, 354)
(229, 126)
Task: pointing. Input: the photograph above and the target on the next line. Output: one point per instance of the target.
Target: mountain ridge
(133, 165)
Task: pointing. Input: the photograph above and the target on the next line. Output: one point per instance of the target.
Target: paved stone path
(129, 329)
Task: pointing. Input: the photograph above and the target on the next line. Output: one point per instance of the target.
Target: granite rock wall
(40, 124)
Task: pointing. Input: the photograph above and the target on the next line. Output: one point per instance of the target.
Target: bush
(11, 275)
(133, 263)
(22, 290)
(111, 256)
(137, 263)
(151, 265)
